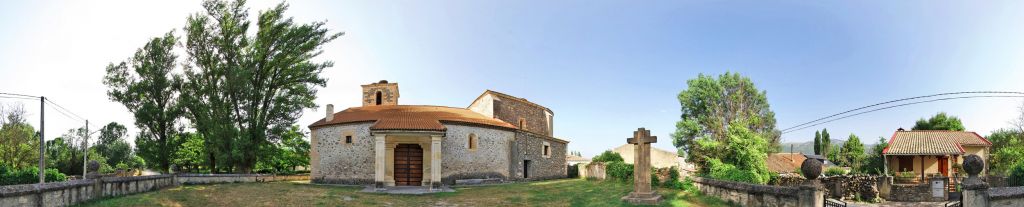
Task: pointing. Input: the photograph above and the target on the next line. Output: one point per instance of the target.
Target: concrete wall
(659, 158)
(490, 159)
(333, 161)
(594, 170)
(78, 191)
(746, 194)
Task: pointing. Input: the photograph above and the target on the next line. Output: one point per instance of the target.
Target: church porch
(407, 158)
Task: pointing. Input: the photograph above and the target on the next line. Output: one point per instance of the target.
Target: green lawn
(569, 192)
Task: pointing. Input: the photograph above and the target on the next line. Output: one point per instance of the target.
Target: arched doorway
(408, 165)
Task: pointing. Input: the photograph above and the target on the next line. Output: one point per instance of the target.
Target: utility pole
(42, 142)
(85, 148)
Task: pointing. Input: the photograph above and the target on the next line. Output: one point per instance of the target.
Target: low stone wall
(746, 194)
(78, 191)
(1006, 196)
(918, 192)
(850, 187)
(594, 170)
(190, 179)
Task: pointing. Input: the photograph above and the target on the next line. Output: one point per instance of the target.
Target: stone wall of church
(339, 162)
(529, 146)
(489, 159)
(511, 110)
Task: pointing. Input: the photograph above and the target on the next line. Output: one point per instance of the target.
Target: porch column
(885, 165)
(389, 170)
(435, 161)
(379, 161)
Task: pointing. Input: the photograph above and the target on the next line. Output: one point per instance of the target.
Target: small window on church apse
(347, 137)
(522, 124)
(471, 143)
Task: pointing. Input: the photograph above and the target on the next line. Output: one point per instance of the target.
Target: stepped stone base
(649, 198)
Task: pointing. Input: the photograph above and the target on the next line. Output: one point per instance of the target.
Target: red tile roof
(784, 162)
(410, 117)
(933, 142)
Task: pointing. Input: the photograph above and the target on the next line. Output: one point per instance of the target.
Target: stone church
(497, 138)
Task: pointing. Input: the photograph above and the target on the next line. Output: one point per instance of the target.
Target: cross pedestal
(642, 193)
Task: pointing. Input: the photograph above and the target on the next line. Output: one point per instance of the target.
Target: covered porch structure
(407, 158)
(931, 153)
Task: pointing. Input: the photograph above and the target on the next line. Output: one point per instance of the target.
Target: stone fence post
(975, 190)
(812, 192)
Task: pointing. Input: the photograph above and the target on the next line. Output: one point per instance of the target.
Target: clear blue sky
(604, 67)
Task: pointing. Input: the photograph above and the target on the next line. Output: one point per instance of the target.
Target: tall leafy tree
(826, 143)
(940, 121)
(112, 144)
(817, 142)
(1007, 149)
(875, 162)
(19, 143)
(711, 106)
(146, 85)
(852, 152)
(244, 86)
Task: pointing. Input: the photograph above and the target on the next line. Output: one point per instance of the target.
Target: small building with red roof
(930, 153)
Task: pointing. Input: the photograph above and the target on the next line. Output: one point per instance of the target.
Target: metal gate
(834, 203)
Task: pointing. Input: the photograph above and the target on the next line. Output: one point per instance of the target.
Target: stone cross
(642, 192)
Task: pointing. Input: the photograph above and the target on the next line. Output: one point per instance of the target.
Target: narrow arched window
(378, 98)
(471, 143)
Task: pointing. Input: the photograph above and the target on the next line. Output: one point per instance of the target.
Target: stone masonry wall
(745, 194)
(529, 146)
(1006, 196)
(489, 160)
(77, 191)
(341, 163)
(510, 110)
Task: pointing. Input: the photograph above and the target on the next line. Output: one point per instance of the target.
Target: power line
(18, 97)
(899, 100)
(899, 105)
(15, 94)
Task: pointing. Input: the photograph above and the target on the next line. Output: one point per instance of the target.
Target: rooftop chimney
(330, 112)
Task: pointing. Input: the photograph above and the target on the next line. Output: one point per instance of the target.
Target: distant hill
(808, 147)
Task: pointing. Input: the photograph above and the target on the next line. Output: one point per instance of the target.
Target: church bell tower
(380, 94)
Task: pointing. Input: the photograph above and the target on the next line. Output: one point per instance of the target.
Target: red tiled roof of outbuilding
(410, 117)
(932, 142)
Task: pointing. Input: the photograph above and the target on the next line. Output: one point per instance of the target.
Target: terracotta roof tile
(932, 142)
(784, 162)
(410, 117)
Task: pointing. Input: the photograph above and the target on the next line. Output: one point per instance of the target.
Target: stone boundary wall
(1006, 196)
(746, 194)
(190, 179)
(593, 170)
(73, 192)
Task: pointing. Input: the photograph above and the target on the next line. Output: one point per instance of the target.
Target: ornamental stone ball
(973, 164)
(93, 166)
(811, 168)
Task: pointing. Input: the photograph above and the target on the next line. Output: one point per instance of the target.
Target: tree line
(230, 104)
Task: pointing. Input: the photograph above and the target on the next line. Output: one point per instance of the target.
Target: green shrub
(1016, 177)
(723, 171)
(907, 174)
(619, 171)
(654, 178)
(608, 156)
(29, 175)
(673, 178)
(835, 171)
(687, 185)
